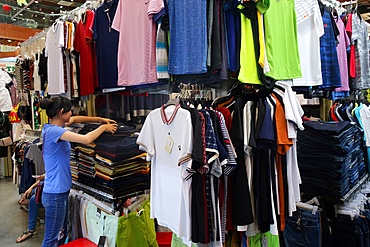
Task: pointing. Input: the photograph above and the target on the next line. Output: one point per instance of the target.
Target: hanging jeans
(303, 229)
(56, 217)
(347, 232)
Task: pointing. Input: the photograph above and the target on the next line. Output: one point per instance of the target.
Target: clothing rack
(102, 194)
(32, 134)
(101, 204)
(349, 3)
(93, 190)
(38, 39)
(85, 5)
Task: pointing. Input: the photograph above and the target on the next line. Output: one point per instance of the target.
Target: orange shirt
(283, 141)
(283, 145)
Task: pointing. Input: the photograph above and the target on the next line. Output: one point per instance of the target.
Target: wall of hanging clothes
(237, 173)
(27, 158)
(234, 173)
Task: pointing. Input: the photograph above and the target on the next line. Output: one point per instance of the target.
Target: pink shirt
(137, 48)
(344, 42)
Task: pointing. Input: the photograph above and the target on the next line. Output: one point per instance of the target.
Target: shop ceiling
(39, 14)
(36, 14)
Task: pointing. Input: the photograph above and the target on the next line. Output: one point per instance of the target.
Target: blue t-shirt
(328, 53)
(56, 154)
(188, 37)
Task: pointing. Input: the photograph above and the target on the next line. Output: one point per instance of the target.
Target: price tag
(169, 145)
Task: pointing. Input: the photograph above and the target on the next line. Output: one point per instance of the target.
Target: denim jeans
(302, 229)
(346, 232)
(33, 209)
(56, 217)
(332, 127)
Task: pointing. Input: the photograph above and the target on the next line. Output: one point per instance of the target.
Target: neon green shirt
(248, 67)
(281, 40)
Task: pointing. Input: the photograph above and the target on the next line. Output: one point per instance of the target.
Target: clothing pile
(330, 158)
(114, 164)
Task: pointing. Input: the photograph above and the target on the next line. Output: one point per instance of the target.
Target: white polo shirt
(167, 137)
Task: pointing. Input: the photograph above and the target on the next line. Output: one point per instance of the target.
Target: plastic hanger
(306, 206)
(174, 101)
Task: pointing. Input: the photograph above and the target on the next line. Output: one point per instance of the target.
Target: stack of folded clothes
(115, 165)
(330, 158)
(85, 165)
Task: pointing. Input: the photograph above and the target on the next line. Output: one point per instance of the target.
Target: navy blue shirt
(106, 44)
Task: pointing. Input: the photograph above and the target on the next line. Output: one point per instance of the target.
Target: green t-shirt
(281, 40)
(264, 239)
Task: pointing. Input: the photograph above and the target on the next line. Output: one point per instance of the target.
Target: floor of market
(14, 218)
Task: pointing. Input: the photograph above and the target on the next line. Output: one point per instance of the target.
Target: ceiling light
(14, 19)
(9, 40)
(28, 8)
(43, 18)
(65, 3)
(20, 14)
(52, 12)
(35, 15)
(36, 1)
(61, 7)
(71, 0)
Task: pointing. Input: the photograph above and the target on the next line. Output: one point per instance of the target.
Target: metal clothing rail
(36, 40)
(35, 37)
(93, 190)
(348, 3)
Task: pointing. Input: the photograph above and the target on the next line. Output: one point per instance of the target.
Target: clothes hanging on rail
(83, 44)
(282, 47)
(136, 50)
(5, 100)
(328, 51)
(253, 187)
(342, 47)
(187, 55)
(106, 39)
(53, 50)
(360, 39)
(5, 130)
(310, 29)
(169, 148)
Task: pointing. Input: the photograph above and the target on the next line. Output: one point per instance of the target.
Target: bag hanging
(38, 193)
(6, 141)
